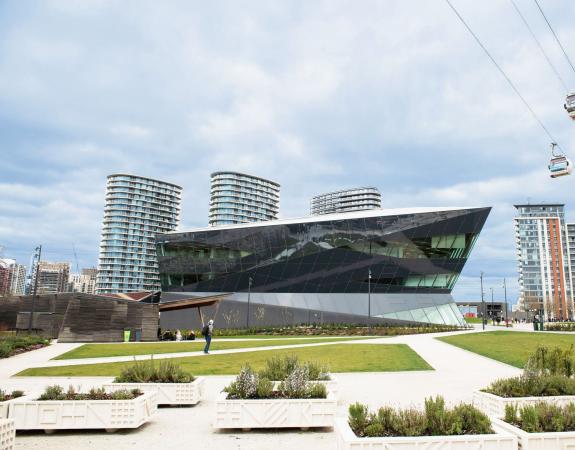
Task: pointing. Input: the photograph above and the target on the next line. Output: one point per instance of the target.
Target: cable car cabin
(570, 105)
(560, 166)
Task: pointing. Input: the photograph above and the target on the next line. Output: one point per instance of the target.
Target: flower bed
(5, 399)
(172, 385)
(278, 368)
(542, 426)
(494, 405)
(547, 376)
(437, 427)
(348, 440)
(56, 410)
(11, 345)
(7, 434)
(252, 401)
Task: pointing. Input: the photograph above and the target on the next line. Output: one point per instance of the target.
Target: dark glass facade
(410, 253)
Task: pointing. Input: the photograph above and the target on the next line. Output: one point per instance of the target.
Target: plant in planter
(5, 398)
(548, 373)
(60, 409)
(278, 368)
(460, 427)
(551, 361)
(543, 425)
(173, 385)
(247, 402)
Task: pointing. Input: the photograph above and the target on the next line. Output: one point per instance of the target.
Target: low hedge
(542, 417)
(14, 344)
(434, 420)
(539, 386)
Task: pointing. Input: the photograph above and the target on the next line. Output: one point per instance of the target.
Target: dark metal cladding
(416, 253)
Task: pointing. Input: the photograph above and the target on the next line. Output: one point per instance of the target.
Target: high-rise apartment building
(52, 277)
(4, 278)
(348, 200)
(12, 277)
(84, 282)
(239, 198)
(544, 265)
(571, 254)
(137, 208)
(17, 279)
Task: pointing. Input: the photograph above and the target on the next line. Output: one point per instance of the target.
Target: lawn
(473, 319)
(510, 347)
(338, 357)
(154, 348)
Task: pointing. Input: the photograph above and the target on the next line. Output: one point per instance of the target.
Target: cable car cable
(555, 36)
(540, 46)
(535, 116)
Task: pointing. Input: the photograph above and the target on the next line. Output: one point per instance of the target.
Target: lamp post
(369, 298)
(505, 294)
(482, 302)
(492, 310)
(250, 279)
(38, 255)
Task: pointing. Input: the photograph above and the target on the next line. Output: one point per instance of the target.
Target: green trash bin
(127, 334)
(535, 325)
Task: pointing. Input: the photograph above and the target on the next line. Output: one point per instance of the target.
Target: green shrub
(358, 418)
(532, 386)
(278, 368)
(466, 419)
(149, 371)
(316, 390)
(4, 396)
(542, 417)
(53, 393)
(551, 361)
(559, 326)
(249, 385)
(435, 420)
(57, 393)
(14, 343)
(264, 388)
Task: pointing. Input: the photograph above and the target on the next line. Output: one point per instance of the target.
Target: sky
(317, 96)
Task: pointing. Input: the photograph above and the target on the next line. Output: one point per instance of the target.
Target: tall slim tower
(239, 198)
(137, 208)
(544, 265)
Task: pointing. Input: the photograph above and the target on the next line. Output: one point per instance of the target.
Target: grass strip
(338, 357)
(509, 347)
(156, 348)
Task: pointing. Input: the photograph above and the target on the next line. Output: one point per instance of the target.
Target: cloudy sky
(317, 95)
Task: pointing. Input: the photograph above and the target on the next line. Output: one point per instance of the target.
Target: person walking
(207, 332)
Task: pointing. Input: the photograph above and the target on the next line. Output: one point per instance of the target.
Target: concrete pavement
(457, 373)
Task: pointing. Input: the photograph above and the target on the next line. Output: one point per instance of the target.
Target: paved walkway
(457, 373)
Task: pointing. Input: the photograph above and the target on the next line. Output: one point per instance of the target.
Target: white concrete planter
(494, 406)
(275, 413)
(540, 441)
(7, 434)
(83, 414)
(168, 393)
(347, 440)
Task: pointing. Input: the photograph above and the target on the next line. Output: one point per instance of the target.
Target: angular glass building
(377, 265)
